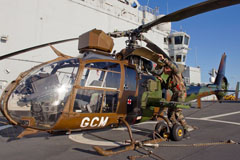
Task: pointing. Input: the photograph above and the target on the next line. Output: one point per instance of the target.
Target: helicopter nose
(39, 107)
(38, 99)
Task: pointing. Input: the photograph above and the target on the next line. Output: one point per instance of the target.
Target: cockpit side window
(130, 79)
(101, 75)
(100, 88)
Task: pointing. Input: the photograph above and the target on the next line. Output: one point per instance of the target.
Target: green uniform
(176, 84)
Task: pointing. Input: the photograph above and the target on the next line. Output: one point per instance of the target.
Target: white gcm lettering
(95, 122)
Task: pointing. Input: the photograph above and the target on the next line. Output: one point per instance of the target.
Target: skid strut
(132, 146)
(121, 148)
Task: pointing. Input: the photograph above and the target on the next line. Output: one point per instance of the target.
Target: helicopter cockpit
(43, 93)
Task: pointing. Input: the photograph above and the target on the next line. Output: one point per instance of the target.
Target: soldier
(176, 84)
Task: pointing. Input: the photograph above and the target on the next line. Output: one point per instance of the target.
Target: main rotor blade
(35, 47)
(155, 48)
(189, 12)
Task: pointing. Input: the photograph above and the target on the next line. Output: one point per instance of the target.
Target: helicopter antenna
(181, 28)
(196, 56)
(147, 2)
(167, 6)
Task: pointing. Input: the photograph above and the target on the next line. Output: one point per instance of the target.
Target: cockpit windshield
(40, 97)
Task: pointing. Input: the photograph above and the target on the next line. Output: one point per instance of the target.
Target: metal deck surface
(216, 122)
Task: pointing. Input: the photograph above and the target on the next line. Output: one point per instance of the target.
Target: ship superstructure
(28, 23)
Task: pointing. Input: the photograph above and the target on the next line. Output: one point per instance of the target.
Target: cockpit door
(98, 90)
(129, 99)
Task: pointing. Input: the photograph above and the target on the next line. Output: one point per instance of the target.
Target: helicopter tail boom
(219, 87)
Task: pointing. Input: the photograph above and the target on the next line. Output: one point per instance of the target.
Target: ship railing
(149, 10)
(119, 10)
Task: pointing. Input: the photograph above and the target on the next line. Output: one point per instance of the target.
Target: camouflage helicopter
(100, 89)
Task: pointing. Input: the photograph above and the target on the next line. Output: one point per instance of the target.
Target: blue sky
(212, 34)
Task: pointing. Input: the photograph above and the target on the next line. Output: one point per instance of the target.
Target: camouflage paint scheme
(154, 96)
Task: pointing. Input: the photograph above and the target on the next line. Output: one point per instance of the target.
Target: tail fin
(221, 81)
(221, 71)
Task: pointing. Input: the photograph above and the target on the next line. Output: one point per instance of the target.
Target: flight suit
(176, 84)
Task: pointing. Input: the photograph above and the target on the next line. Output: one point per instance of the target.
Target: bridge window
(178, 58)
(165, 40)
(169, 40)
(184, 58)
(186, 40)
(178, 39)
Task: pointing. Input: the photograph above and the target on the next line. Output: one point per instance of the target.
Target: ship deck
(216, 122)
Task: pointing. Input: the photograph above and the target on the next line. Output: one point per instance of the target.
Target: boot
(188, 128)
(186, 134)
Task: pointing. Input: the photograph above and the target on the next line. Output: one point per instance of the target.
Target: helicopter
(101, 89)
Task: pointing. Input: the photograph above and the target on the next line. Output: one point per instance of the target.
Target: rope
(193, 145)
(5, 123)
(148, 154)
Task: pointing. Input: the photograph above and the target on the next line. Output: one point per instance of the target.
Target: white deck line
(221, 115)
(213, 120)
(210, 118)
(5, 126)
(79, 137)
